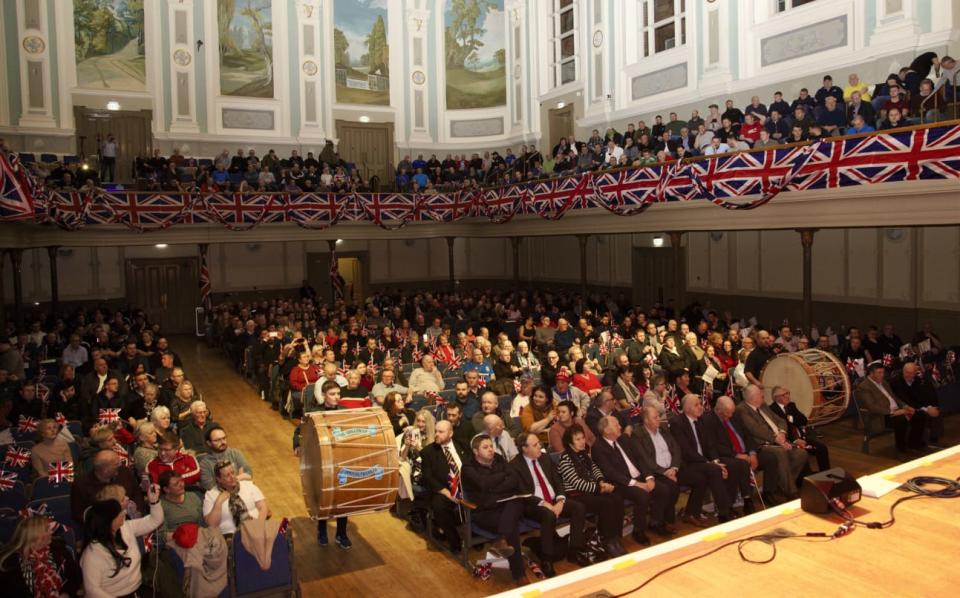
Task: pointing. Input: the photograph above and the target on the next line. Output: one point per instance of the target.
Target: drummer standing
(759, 358)
(331, 402)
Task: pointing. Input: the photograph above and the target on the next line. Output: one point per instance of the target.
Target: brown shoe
(521, 581)
(696, 520)
(502, 548)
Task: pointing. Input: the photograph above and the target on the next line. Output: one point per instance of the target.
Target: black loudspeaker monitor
(820, 492)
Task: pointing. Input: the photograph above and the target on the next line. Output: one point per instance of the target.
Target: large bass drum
(349, 463)
(817, 381)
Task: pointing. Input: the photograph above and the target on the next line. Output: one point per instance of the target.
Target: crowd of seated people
(104, 396)
(480, 384)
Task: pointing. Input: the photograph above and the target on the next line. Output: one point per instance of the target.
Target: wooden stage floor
(384, 551)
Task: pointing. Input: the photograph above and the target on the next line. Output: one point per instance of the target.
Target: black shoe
(547, 567)
(641, 538)
(455, 546)
(580, 557)
(275, 407)
(770, 499)
(661, 530)
(614, 549)
(748, 507)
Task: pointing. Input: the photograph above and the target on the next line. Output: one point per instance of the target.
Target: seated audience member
(585, 483)
(169, 457)
(194, 430)
(528, 362)
(353, 395)
(146, 451)
(400, 417)
(769, 432)
(777, 126)
(387, 384)
(831, 117)
(217, 451)
(487, 479)
(624, 466)
(584, 378)
(538, 476)
(601, 406)
(797, 431)
(479, 365)
(467, 398)
(765, 141)
(855, 85)
(566, 418)
(857, 126)
(538, 416)
(913, 389)
(503, 444)
(860, 107)
(111, 556)
(698, 448)
(105, 470)
(161, 420)
(179, 506)
(303, 374)
(34, 563)
(564, 391)
(182, 400)
(625, 391)
(232, 501)
(443, 462)
(875, 395)
(828, 90)
(490, 405)
(49, 448)
(426, 378)
(104, 437)
(462, 428)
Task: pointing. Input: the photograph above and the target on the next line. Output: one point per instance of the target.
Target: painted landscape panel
(108, 36)
(475, 54)
(246, 47)
(361, 55)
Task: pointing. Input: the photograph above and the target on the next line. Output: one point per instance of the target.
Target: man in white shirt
(716, 147)
(108, 155)
(613, 153)
(232, 501)
(426, 378)
(538, 476)
(74, 354)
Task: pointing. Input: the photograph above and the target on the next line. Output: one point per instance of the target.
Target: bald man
(915, 390)
(105, 470)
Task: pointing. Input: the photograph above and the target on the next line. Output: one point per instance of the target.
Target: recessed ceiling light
(113, 105)
(364, 119)
(339, 241)
(561, 104)
(658, 241)
(161, 245)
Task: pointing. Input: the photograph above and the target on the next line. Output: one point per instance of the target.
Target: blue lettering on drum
(345, 433)
(345, 473)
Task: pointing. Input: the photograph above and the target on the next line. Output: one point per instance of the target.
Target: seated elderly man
(194, 430)
(478, 364)
(490, 405)
(106, 470)
(217, 451)
(768, 432)
(387, 384)
(797, 431)
(914, 390)
(169, 457)
(566, 418)
(877, 396)
(503, 444)
(564, 391)
(426, 378)
(232, 501)
(179, 506)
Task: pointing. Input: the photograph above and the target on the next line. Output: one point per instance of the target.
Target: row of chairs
(45, 158)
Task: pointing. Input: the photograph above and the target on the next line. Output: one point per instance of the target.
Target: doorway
(354, 267)
(370, 147)
(130, 128)
(167, 290)
(653, 277)
(561, 124)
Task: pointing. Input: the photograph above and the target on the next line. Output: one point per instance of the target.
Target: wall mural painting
(108, 37)
(246, 47)
(475, 54)
(361, 55)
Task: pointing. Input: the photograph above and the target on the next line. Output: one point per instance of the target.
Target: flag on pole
(205, 287)
(336, 281)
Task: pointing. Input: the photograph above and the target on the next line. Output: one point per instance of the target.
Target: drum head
(311, 475)
(792, 375)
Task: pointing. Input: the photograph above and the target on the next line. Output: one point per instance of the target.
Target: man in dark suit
(487, 479)
(441, 470)
(725, 440)
(537, 475)
(914, 390)
(632, 476)
(602, 405)
(91, 383)
(769, 433)
(877, 396)
(109, 398)
(797, 432)
(687, 430)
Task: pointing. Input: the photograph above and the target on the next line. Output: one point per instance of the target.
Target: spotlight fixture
(364, 119)
(161, 245)
(658, 241)
(561, 104)
(113, 105)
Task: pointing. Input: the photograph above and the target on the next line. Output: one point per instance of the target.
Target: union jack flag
(43, 392)
(146, 211)
(8, 480)
(61, 419)
(17, 457)
(887, 360)
(148, 541)
(26, 424)
(205, 286)
(616, 341)
(342, 371)
(453, 484)
(434, 396)
(672, 401)
(416, 354)
(373, 368)
(315, 211)
(284, 526)
(516, 385)
(244, 211)
(626, 192)
(383, 208)
(60, 472)
(41, 511)
(16, 201)
(109, 416)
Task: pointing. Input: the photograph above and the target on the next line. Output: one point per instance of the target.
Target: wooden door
(166, 289)
(561, 124)
(130, 128)
(370, 147)
(653, 277)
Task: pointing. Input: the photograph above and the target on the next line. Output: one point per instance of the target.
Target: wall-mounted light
(561, 104)
(339, 241)
(364, 119)
(113, 105)
(658, 241)
(161, 245)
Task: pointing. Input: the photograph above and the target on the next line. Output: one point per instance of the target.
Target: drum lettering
(345, 473)
(343, 434)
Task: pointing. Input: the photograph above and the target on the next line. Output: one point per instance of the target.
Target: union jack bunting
(108, 416)
(17, 457)
(41, 511)
(8, 480)
(434, 396)
(43, 392)
(60, 472)
(742, 180)
(26, 424)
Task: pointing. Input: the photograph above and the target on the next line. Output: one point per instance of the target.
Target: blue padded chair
(250, 580)
(76, 428)
(179, 567)
(48, 158)
(43, 488)
(8, 524)
(448, 395)
(14, 498)
(504, 402)
(71, 159)
(27, 158)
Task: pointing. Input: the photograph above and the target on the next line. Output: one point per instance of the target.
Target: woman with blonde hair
(427, 424)
(49, 449)
(102, 438)
(183, 398)
(35, 564)
(161, 420)
(146, 450)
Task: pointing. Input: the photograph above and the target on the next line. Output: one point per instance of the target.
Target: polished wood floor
(386, 557)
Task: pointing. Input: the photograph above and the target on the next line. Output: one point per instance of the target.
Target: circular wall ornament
(34, 44)
(597, 38)
(418, 77)
(182, 57)
(310, 68)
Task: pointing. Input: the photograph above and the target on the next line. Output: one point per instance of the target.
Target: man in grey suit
(876, 395)
(769, 432)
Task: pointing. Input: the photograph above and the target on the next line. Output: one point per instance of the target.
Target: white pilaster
(183, 65)
(34, 56)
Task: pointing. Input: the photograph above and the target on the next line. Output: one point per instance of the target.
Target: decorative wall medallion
(419, 78)
(310, 68)
(597, 38)
(516, 71)
(34, 44)
(182, 57)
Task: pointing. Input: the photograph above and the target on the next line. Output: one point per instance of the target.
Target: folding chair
(249, 580)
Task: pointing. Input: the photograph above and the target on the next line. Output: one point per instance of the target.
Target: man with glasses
(797, 431)
(232, 501)
(217, 450)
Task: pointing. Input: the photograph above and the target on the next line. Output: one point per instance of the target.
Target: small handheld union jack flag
(453, 484)
(8, 480)
(887, 360)
(617, 340)
(26, 424)
(672, 402)
(61, 419)
(17, 457)
(435, 397)
(373, 368)
(60, 472)
(416, 355)
(109, 416)
(342, 371)
(41, 511)
(455, 362)
(43, 392)
(516, 385)
(148, 541)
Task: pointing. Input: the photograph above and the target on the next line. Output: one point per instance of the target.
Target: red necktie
(734, 438)
(543, 484)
